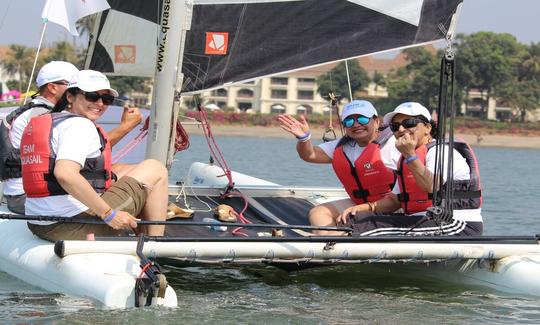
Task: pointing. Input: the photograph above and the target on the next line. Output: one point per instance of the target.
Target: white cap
(410, 109)
(55, 71)
(358, 107)
(90, 80)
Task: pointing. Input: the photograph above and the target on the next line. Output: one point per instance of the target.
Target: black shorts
(413, 225)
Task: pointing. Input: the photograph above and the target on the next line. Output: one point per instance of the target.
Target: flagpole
(35, 60)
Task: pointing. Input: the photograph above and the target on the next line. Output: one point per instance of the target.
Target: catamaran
(205, 44)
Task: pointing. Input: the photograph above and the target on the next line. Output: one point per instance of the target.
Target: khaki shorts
(127, 194)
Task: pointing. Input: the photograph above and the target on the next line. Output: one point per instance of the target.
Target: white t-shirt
(14, 186)
(461, 171)
(73, 139)
(389, 154)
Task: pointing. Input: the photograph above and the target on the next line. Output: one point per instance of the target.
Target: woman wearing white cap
(52, 81)
(414, 130)
(66, 164)
(362, 159)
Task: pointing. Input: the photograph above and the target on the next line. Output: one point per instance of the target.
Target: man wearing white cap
(363, 159)
(52, 81)
(415, 134)
(67, 170)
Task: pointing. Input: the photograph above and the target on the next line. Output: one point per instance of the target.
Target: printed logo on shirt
(217, 43)
(368, 165)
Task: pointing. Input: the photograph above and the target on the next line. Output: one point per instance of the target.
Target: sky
(20, 21)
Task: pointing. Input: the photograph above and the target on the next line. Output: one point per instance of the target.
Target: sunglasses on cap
(95, 96)
(407, 123)
(361, 119)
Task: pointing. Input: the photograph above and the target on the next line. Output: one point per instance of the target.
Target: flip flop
(174, 211)
(226, 213)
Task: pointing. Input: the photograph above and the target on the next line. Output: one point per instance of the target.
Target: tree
(336, 80)
(524, 95)
(125, 85)
(417, 81)
(62, 51)
(18, 61)
(86, 24)
(379, 80)
(523, 91)
(487, 60)
(530, 65)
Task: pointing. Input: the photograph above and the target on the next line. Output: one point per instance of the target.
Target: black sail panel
(235, 41)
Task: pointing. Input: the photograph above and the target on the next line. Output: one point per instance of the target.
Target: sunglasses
(95, 96)
(407, 123)
(361, 119)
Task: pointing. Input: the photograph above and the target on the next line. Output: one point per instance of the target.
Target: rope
(133, 143)
(218, 157)
(442, 206)
(181, 141)
(213, 147)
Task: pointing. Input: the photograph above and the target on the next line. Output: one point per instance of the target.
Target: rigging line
(5, 14)
(348, 79)
(450, 179)
(37, 55)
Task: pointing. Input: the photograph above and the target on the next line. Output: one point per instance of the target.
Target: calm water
(337, 295)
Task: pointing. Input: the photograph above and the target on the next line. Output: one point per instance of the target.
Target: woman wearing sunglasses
(414, 132)
(362, 159)
(67, 171)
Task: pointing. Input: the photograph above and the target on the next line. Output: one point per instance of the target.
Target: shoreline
(487, 140)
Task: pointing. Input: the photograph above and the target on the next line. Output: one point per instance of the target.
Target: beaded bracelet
(304, 137)
(410, 159)
(110, 217)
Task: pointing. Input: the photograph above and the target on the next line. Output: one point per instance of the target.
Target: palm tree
(530, 66)
(86, 24)
(19, 60)
(62, 51)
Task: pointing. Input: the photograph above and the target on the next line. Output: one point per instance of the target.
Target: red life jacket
(10, 160)
(413, 199)
(38, 159)
(368, 179)
(467, 194)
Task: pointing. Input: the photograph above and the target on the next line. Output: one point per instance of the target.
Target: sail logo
(125, 54)
(216, 43)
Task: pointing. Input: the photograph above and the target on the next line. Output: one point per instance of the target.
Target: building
(295, 92)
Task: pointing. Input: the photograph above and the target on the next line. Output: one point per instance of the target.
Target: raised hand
(293, 126)
(406, 144)
(131, 117)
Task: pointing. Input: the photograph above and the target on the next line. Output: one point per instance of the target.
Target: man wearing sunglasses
(415, 134)
(52, 82)
(363, 159)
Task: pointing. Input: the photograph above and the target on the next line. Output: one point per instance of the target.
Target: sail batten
(236, 41)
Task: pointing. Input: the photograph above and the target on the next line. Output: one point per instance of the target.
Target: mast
(168, 80)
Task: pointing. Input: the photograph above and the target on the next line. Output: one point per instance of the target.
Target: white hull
(106, 270)
(511, 268)
(108, 278)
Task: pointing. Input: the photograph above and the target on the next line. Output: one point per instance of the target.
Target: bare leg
(122, 169)
(326, 214)
(154, 175)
